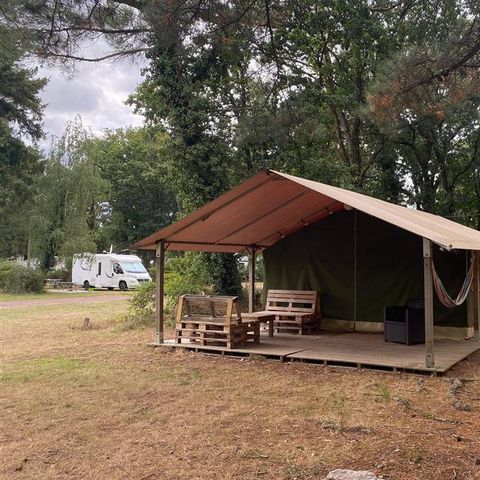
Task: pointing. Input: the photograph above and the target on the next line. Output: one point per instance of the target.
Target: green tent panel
(361, 264)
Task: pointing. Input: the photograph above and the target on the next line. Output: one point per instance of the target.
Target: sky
(96, 91)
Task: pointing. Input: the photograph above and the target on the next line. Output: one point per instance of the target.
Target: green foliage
(15, 278)
(63, 274)
(185, 273)
(224, 274)
(381, 97)
(68, 210)
(20, 106)
(20, 117)
(139, 199)
(141, 312)
(100, 191)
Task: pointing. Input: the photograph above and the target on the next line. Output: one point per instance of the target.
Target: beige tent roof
(271, 205)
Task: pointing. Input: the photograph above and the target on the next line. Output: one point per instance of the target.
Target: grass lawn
(6, 297)
(100, 404)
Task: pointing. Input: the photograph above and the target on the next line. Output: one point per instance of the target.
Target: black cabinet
(404, 324)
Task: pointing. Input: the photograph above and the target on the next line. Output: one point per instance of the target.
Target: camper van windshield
(134, 267)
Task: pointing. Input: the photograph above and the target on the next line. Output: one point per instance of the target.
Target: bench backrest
(304, 301)
(215, 308)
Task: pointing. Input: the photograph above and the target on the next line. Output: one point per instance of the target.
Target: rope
(443, 295)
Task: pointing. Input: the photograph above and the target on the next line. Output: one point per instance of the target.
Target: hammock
(443, 295)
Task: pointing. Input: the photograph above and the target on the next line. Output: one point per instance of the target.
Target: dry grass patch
(99, 403)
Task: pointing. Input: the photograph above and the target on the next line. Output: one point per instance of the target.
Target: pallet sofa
(209, 320)
(290, 311)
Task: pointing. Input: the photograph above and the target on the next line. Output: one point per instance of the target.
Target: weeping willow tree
(70, 203)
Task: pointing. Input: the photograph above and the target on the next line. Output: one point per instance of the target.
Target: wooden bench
(290, 311)
(209, 320)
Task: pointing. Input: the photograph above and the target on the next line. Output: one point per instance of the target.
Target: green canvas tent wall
(360, 264)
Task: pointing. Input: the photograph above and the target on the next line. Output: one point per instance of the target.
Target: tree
(378, 96)
(69, 206)
(139, 199)
(182, 94)
(426, 99)
(20, 119)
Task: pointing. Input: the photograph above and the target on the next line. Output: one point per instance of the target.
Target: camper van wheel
(122, 285)
(86, 284)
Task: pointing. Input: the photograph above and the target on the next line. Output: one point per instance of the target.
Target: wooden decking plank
(369, 349)
(351, 348)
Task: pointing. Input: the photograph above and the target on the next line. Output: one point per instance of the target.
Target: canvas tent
(358, 251)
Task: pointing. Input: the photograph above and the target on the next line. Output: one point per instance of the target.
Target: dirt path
(70, 299)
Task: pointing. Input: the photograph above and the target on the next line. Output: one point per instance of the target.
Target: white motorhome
(108, 270)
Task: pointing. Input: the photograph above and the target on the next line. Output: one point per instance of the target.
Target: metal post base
(429, 360)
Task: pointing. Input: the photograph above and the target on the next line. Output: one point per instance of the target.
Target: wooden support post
(251, 279)
(471, 295)
(428, 293)
(160, 278)
(476, 298)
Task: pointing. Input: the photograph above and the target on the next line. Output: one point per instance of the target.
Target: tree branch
(106, 31)
(122, 53)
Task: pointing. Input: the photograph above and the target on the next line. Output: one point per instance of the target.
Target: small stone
(462, 407)
(351, 475)
(455, 387)
(477, 461)
(421, 385)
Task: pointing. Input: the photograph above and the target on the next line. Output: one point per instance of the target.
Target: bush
(63, 274)
(15, 278)
(141, 312)
(185, 273)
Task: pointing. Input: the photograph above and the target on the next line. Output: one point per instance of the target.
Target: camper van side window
(99, 268)
(117, 269)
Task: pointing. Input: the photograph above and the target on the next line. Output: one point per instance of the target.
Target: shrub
(185, 273)
(15, 278)
(141, 312)
(64, 275)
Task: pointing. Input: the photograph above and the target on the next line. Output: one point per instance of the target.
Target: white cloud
(97, 92)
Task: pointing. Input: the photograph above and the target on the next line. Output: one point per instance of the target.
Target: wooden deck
(359, 350)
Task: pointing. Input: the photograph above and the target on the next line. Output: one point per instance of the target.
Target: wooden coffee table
(261, 317)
